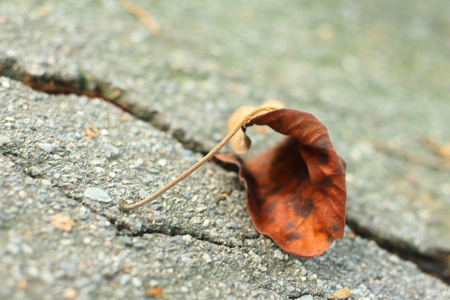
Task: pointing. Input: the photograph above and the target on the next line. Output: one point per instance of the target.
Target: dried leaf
(147, 19)
(240, 143)
(155, 292)
(223, 195)
(440, 149)
(61, 222)
(295, 190)
(268, 103)
(341, 294)
(444, 151)
(430, 162)
(22, 284)
(127, 269)
(92, 131)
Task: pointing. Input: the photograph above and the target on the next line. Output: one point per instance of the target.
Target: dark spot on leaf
(255, 211)
(322, 142)
(342, 166)
(335, 228)
(269, 207)
(260, 201)
(303, 208)
(330, 238)
(293, 236)
(325, 181)
(323, 159)
(289, 226)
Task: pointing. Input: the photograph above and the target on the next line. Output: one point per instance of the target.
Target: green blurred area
(386, 61)
(403, 43)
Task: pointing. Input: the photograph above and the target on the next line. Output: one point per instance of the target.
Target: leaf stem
(208, 156)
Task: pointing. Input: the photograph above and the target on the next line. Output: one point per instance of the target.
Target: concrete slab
(366, 70)
(49, 167)
(352, 73)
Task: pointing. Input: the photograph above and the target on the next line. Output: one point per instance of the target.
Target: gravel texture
(370, 71)
(62, 240)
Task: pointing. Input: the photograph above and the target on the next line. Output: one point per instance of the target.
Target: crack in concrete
(438, 265)
(82, 84)
(122, 229)
(92, 87)
(172, 233)
(169, 232)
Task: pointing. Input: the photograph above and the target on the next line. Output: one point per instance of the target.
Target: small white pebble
(136, 282)
(206, 258)
(200, 209)
(22, 194)
(278, 254)
(6, 85)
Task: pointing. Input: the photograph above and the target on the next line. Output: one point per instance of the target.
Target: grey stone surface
(138, 167)
(370, 71)
(113, 255)
(97, 194)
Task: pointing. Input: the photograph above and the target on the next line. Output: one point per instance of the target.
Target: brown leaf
(444, 151)
(22, 284)
(61, 221)
(440, 149)
(91, 131)
(295, 190)
(147, 19)
(223, 195)
(341, 294)
(268, 103)
(155, 292)
(240, 143)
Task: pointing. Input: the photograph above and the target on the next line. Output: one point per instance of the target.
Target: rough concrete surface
(188, 243)
(369, 74)
(369, 71)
